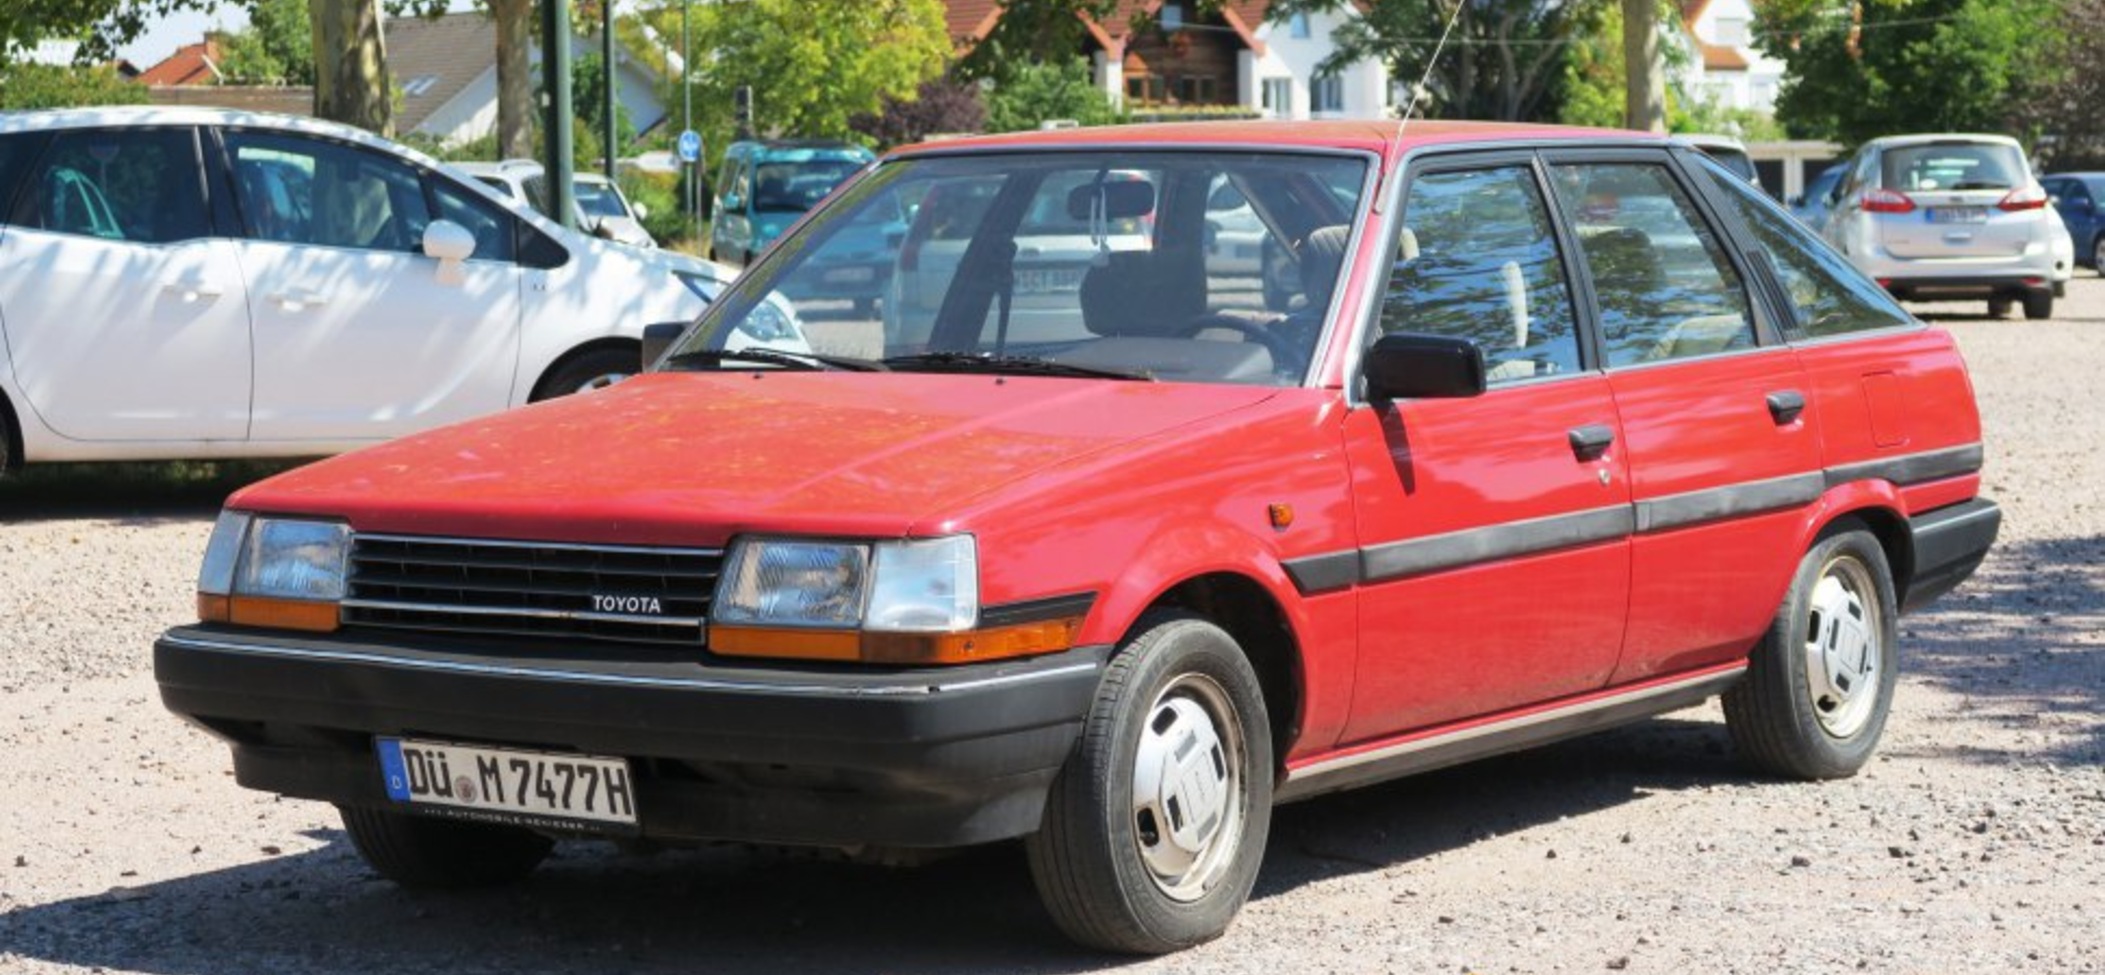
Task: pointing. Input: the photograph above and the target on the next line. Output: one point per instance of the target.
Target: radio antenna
(1429, 65)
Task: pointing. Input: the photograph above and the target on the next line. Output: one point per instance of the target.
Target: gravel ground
(1974, 842)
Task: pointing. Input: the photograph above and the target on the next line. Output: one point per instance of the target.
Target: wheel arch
(11, 429)
(1878, 506)
(610, 343)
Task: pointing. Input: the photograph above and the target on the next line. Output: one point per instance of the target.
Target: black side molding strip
(1035, 610)
(1421, 555)
(1320, 573)
(1930, 465)
(1730, 501)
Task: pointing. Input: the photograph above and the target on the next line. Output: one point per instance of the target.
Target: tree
(515, 82)
(277, 48)
(1038, 93)
(1504, 61)
(2064, 103)
(588, 94)
(1032, 32)
(1878, 67)
(1644, 72)
(351, 83)
(942, 105)
(28, 85)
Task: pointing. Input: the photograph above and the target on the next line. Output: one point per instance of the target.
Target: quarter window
(1663, 284)
(137, 185)
(1826, 295)
(304, 191)
(1477, 260)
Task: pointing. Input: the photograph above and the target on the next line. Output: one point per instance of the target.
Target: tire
(421, 852)
(2039, 305)
(592, 370)
(1999, 307)
(1820, 684)
(1152, 879)
(7, 440)
(2097, 253)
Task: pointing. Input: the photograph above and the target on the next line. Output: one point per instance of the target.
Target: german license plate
(508, 785)
(1958, 214)
(1039, 281)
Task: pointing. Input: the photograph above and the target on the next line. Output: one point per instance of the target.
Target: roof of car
(125, 115)
(1364, 134)
(1929, 137)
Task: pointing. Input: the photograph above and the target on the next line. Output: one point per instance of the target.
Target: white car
(602, 209)
(196, 283)
(1952, 216)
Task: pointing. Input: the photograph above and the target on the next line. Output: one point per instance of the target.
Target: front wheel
(596, 369)
(1156, 825)
(423, 852)
(1820, 684)
(2039, 305)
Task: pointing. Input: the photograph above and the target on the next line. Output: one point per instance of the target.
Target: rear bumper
(1949, 544)
(1965, 286)
(926, 758)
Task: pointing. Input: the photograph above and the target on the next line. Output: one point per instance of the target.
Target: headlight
(280, 572)
(929, 586)
(785, 583)
(766, 323)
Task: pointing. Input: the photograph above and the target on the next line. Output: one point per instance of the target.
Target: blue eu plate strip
(392, 770)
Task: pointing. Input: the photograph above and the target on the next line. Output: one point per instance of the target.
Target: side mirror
(642, 212)
(1407, 366)
(449, 244)
(658, 338)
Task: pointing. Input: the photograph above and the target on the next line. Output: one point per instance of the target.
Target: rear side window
(136, 185)
(1827, 296)
(17, 152)
(1664, 285)
(1953, 166)
(1477, 260)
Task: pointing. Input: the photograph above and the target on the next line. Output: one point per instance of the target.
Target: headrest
(1122, 297)
(1322, 257)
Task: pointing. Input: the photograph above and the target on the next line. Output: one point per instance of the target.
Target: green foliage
(1505, 61)
(1911, 66)
(812, 66)
(277, 47)
(588, 95)
(659, 194)
(1029, 33)
(25, 85)
(1037, 93)
(1593, 71)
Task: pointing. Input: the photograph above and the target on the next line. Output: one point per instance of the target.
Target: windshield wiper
(810, 361)
(1018, 364)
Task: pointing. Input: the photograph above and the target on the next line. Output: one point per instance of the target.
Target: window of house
(1326, 93)
(1297, 26)
(1279, 96)
(1172, 16)
(1732, 31)
(1194, 89)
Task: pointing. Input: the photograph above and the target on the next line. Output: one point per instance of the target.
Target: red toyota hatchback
(1102, 550)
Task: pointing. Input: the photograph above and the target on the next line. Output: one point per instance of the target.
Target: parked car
(1811, 207)
(602, 209)
(765, 186)
(1950, 216)
(1117, 589)
(1730, 153)
(2075, 197)
(194, 283)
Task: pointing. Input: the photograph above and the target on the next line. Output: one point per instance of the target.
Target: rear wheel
(1156, 825)
(592, 370)
(423, 852)
(2097, 253)
(1999, 307)
(2039, 305)
(1818, 688)
(7, 441)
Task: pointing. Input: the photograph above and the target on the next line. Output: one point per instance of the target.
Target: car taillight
(1887, 201)
(2023, 198)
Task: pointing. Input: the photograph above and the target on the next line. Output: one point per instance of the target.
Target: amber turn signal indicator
(1282, 515)
(897, 649)
(283, 614)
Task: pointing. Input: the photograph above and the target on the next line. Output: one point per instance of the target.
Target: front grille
(631, 594)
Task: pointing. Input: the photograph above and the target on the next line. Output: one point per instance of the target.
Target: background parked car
(1730, 153)
(765, 186)
(201, 283)
(602, 209)
(1950, 216)
(1811, 208)
(2075, 197)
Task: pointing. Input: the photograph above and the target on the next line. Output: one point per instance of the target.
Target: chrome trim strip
(1729, 501)
(358, 536)
(1416, 745)
(1472, 545)
(625, 680)
(529, 612)
(1904, 469)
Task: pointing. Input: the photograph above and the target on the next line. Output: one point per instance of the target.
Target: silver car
(1951, 216)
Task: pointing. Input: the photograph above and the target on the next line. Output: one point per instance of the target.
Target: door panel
(125, 319)
(357, 335)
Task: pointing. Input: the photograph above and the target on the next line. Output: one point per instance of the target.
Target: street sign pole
(694, 169)
(555, 88)
(609, 131)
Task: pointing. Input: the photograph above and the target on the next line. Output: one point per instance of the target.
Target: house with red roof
(1727, 67)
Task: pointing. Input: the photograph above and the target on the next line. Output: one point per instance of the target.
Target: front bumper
(778, 754)
(1948, 545)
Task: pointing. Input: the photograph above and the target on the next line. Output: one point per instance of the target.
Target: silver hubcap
(601, 381)
(1844, 648)
(1188, 797)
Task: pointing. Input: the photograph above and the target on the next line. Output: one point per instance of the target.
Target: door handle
(1785, 405)
(192, 290)
(1591, 441)
(294, 299)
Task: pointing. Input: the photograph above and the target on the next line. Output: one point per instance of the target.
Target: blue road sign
(689, 146)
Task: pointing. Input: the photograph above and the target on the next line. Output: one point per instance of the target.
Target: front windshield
(794, 187)
(598, 199)
(1199, 266)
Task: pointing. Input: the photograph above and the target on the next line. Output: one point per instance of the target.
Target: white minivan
(198, 283)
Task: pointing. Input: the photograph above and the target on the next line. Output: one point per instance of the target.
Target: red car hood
(691, 459)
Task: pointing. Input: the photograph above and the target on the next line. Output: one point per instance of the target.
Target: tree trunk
(1644, 94)
(350, 65)
(515, 85)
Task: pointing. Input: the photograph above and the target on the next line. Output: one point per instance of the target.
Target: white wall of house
(1730, 23)
(1288, 68)
(472, 112)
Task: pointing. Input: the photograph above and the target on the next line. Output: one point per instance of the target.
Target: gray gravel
(1974, 842)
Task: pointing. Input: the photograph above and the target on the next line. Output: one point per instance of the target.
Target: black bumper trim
(1949, 544)
(922, 758)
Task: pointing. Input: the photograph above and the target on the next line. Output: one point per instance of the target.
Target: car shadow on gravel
(732, 909)
(142, 492)
(2024, 642)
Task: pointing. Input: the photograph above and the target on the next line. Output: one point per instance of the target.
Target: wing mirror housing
(1408, 366)
(449, 244)
(657, 339)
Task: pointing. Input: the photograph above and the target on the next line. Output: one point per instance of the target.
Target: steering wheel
(1284, 355)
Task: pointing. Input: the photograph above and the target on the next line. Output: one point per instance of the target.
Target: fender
(1879, 497)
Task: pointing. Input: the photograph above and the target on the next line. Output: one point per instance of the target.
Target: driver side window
(305, 191)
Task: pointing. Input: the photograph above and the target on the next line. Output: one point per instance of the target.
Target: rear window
(1953, 166)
